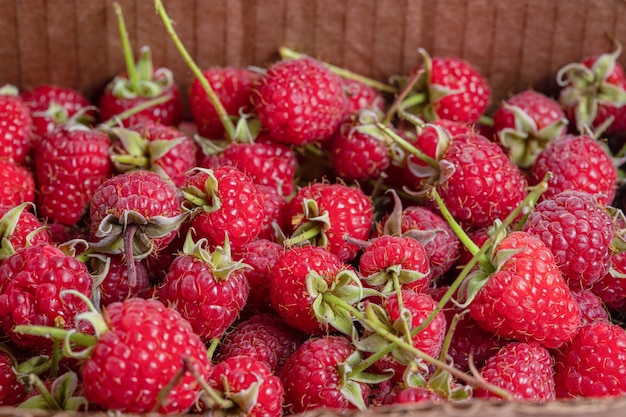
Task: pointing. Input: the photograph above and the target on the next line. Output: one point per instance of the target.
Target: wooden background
(514, 43)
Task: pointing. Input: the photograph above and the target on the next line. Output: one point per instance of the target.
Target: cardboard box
(514, 44)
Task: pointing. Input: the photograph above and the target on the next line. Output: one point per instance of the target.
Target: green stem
(485, 120)
(81, 339)
(215, 343)
(113, 121)
(459, 232)
(229, 127)
(133, 160)
(41, 388)
(453, 287)
(407, 146)
(443, 365)
(304, 236)
(400, 98)
(128, 55)
(291, 54)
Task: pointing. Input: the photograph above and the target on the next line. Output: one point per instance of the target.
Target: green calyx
(60, 397)
(313, 225)
(112, 232)
(206, 199)
(335, 298)
(134, 152)
(8, 223)
(220, 261)
(525, 141)
(584, 88)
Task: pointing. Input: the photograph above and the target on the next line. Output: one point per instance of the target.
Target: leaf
(352, 392)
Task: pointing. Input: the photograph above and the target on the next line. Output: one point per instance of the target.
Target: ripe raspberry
(576, 162)
(17, 184)
(264, 337)
(525, 124)
(484, 185)
(611, 288)
(233, 88)
(591, 306)
(208, 289)
(389, 258)
(12, 391)
(291, 280)
(526, 298)
(138, 355)
(356, 153)
(260, 255)
(444, 248)
(126, 201)
(523, 369)
(339, 210)
(116, 286)
(411, 395)
(156, 147)
(225, 202)
(19, 228)
(265, 161)
(274, 208)
(16, 124)
(429, 340)
(455, 89)
(589, 365)
(31, 282)
(312, 378)
(300, 101)
(70, 164)
(250, 386)
(578, 232)
(53, 105)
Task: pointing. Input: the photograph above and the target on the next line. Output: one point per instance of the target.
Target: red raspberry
(362, 96)
(17, 224)
(236, 378)
(260, 255)
(576, 162)
(12, 391)
(411, 395)
(31, 282)
(611, 288)
(289, 292)
(484, 185)
(338, 209)
(264, 337)
(578, 231)
(590, 365)
(387, 256)
(17, 184)
(591, 306)
(138, 355)
(300, 101)
(16, 124)
(225, 202)
(526, 123)
(312, 379)
(208, 289)
(523, 369)
(233, 88)
(526, 298)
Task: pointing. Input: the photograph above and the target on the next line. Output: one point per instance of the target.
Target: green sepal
(60, 397)
(220, 261)
(312, 218)
(471, 286)
(9, 90)
(345, 286)
(8, 223)
(246, 399)
(206, 199)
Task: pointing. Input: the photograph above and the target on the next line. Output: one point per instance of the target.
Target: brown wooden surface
(515, 44)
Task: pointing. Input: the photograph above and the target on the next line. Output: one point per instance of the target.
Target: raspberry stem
(82, 339)
(287, 53)
(229, 127)
(128, 55)
(409, 147)
(116, 120)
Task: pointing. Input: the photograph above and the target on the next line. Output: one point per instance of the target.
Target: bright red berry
(300, 101)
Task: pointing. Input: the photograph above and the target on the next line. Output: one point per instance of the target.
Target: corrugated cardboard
(514, 44)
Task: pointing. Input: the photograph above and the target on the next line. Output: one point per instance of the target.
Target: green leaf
(351, 391)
